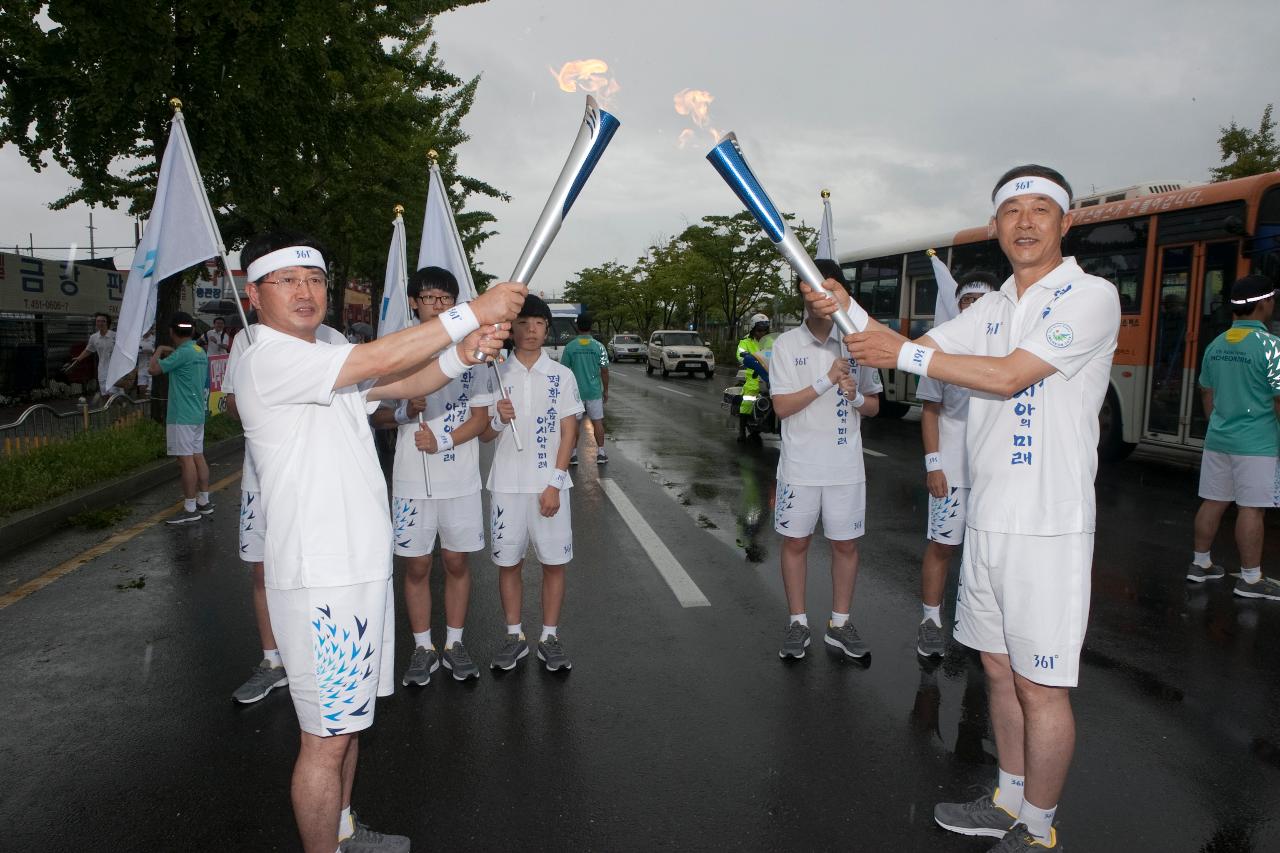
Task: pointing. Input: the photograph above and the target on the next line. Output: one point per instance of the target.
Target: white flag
(946, 307)
(441, 244)
(181, 232)
(395, 314)
(826, 239)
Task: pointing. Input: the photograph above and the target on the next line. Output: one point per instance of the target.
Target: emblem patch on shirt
(1059, 335)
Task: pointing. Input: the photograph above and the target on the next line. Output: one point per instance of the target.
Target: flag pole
(403, 284)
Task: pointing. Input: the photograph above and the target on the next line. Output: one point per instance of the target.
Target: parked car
(678, 351)
(626, 346)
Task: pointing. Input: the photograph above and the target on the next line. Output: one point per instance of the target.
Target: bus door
(1221, 261)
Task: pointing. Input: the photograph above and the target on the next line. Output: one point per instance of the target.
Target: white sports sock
(1039, 821)
(273, 655)
(802, 618)
(346, 826)
(189, 505)
(1201, 559)
(452, 635)
(423, 639)
(548, 631)
(515, 629)
(1009, 792)
(838, 619)
(934, 613)
(1251, 575)
(202, 497)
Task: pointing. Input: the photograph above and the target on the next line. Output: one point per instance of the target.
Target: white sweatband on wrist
(451, 363)
(557, 479)
(822, 385)
(913, 358)
(1031, 185)
(290, 256)
(402, 413)
(496, 423)
(459, 321)
(857, 400)
(444, 442)
(933, 462)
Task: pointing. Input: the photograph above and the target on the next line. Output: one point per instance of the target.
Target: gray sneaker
(513, 648)
(365, 840)
(1200, 575)
(265, 678)
(459, 662)
(794, 641)
(1266, 588)
(1019, 840)
(184, 517)
(422, 663)
(929, 640)
(552, 654)
(846, 640)
(980, 817)
(602, 457)
(205, 508)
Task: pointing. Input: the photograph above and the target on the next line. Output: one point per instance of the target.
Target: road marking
(870, 452)
(63, 569)
(686, 591)
(660, 387)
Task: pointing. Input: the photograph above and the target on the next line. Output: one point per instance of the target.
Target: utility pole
(91, 230)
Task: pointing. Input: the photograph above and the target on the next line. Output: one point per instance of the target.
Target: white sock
(1039, 821)
(934, 613)
(1251, 575)
(346, 826)
(452, 635)
(423, 639)
(1009, 792)
(202, 497)
(1201, 559)
(515, 629)
(189, 504)
(273, 655)
(548, 631)
(838, 619)
(802, 618)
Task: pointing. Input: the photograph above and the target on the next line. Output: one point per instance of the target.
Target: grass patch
(100, 519)
(219, 427)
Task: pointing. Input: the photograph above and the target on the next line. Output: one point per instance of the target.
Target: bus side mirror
(1234, 226)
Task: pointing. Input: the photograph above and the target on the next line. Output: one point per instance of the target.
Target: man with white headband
(1240, 389)
(1039, 350)
(305, 405)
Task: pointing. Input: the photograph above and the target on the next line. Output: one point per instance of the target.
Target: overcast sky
(907, 112)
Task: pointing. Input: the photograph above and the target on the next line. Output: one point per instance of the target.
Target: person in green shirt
(589, 361)
(187, 367)
(1240, 389)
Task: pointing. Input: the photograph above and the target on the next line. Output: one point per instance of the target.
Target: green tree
(1246, 152)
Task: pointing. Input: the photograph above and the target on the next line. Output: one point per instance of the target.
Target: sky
(907, 112)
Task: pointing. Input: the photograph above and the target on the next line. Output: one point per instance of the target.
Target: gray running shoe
(265, 678)
(980, 817)
(1266, 588)
(846, 640)
(573, 460)
(1200, 575)
(794, 641)
(184, 517)
(552, 654)
(929, 640)
(513, 648)
(365, 840)
(459, 662)
(1020, 840)
(205, 508)
(602, 458)
(422, 663)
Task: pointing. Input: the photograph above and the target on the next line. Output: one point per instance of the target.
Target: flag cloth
(945, 307)
(826, 240)
(180, 233)
(441, 243)
(395, 314)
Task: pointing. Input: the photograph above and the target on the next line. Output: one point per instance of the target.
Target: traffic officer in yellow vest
(751, 385)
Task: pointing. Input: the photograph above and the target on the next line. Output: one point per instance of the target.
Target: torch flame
(587, 75)
(696, 104)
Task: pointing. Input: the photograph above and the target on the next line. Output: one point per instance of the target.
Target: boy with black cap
(188, 370)
(529, 487)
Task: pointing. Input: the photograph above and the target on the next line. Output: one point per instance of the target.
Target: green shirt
(1242, 366)
(584, 355)
(188, 370)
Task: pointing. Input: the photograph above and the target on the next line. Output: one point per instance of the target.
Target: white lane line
(659, 387)
(686, 591)
(870, 452)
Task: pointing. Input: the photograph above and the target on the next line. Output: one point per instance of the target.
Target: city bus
(1171, 250)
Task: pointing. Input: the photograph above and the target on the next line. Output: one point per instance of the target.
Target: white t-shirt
(821, 443)
(101, 345)
(321, 486)
(953, 420)
(542, 397)
(1033, 457)
(216, 343)
(456, 472)
(248, 472)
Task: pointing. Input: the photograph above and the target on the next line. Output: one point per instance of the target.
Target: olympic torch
(597, 129)
(727, 159)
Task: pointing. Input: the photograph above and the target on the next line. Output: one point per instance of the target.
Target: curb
(29, 526)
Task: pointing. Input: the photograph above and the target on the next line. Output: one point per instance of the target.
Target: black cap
(182, 323)
(831, 269)
(534, 307)
(1252, 288)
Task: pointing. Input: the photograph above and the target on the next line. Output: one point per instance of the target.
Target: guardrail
(42, 424)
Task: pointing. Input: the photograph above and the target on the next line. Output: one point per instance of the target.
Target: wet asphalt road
(678, 729)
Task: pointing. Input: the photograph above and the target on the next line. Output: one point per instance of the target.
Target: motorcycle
(761, 419)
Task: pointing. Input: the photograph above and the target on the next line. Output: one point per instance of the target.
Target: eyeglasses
(311, 282)
(436, 300)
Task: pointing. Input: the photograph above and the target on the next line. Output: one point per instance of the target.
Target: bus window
(1266, 237)
(1199, 223)
(878, 286)
(1114, 251)
(985, 256)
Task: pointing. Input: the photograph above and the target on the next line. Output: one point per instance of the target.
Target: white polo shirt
(101, 345)
(455, 472)
(821, 443)
(953, 421)
(321, 485)
(1033, 457)
(543, 396)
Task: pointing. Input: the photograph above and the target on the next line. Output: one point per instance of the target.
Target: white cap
(759, 318)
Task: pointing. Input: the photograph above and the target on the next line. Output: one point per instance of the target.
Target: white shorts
(843, 510)
(946, 516)
(593, 410)
(338, 646)
(515, 518)
(253, 527)
(458, 521)
(184, 439)
(1027, 597)
(1245, 480)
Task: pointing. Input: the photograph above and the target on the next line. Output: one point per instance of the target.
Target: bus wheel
(893, 408)
(1111, 444)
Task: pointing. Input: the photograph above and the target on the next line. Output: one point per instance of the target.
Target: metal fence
(41, 424)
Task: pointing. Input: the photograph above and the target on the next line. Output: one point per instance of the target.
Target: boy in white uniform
(444, 444)
(529, 488)
(305, 407)
(946, 461)
(821, 400)
(1040, 350)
